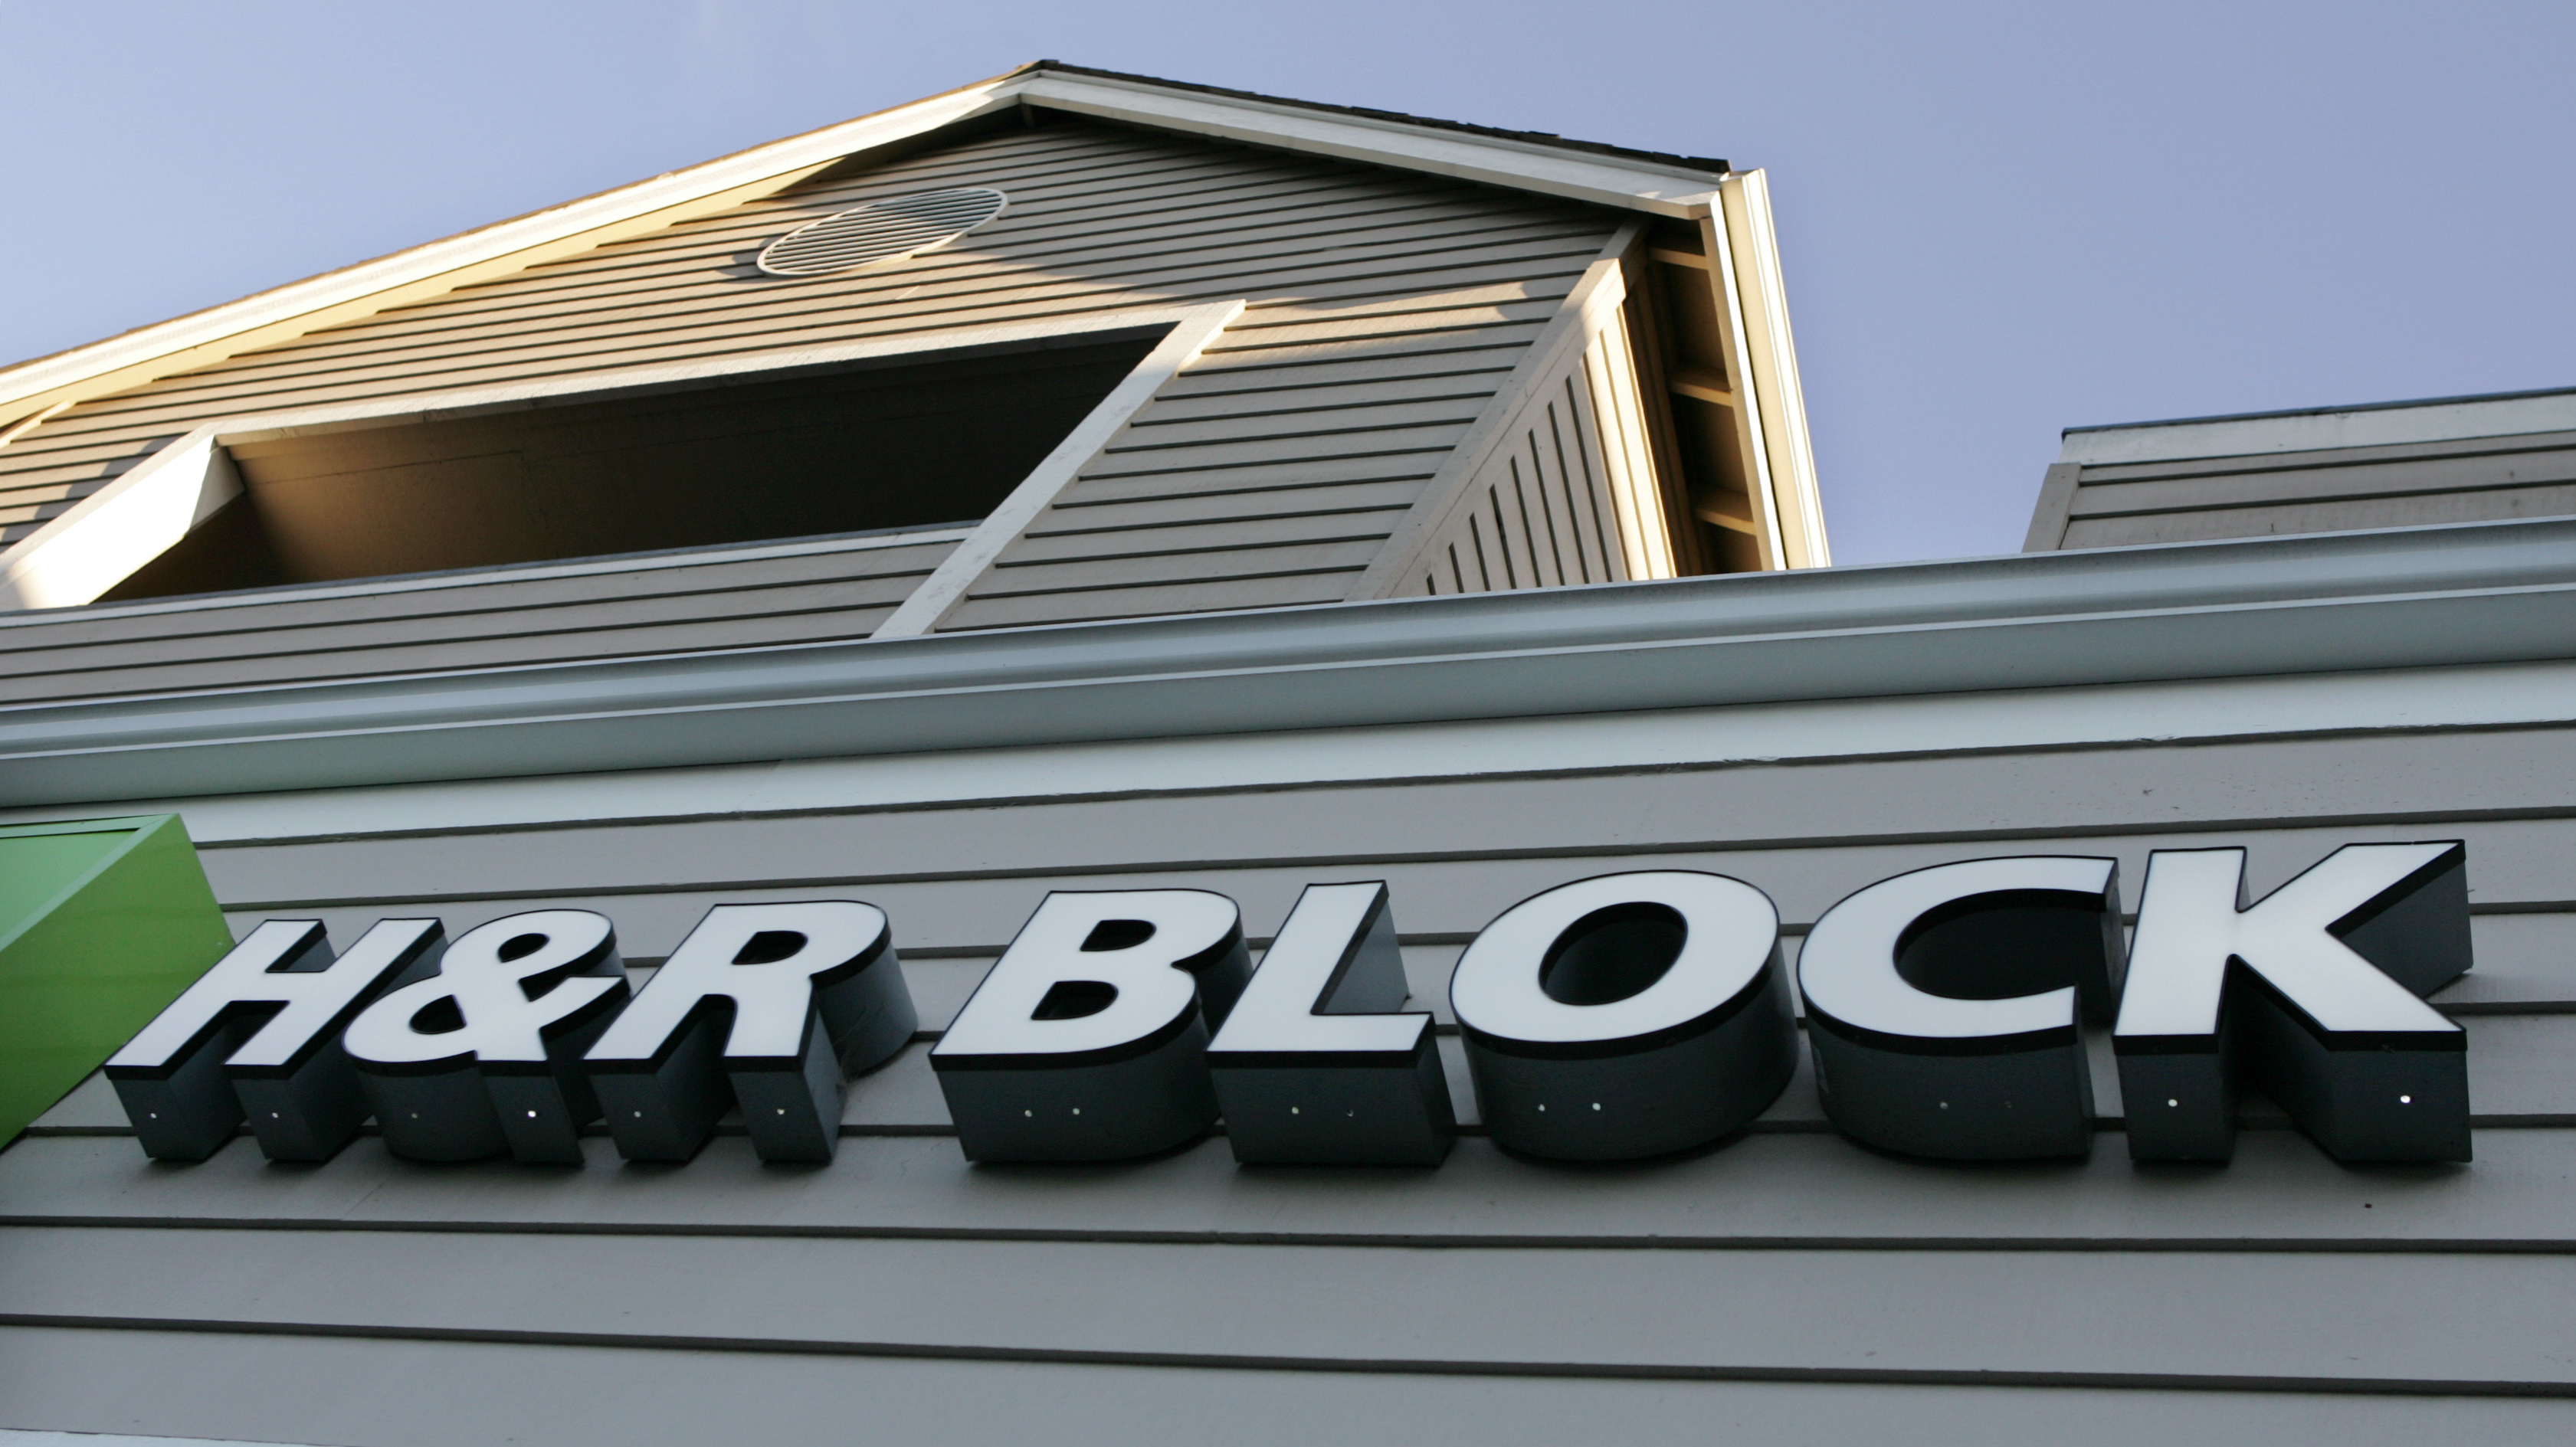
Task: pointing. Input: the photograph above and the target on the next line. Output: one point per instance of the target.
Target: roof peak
(1583, 171)
(1715, 166)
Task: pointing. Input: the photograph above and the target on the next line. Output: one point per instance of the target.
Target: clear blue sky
(1997, 220)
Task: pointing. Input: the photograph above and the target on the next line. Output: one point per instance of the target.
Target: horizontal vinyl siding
(581, 1395)
(1785, 1261)
(2403, 485)
(828, 593)
(1541, 512)
(1292, 422)
(1559, 488)
(2470, 1320)
(1354, 278)
(1804, 1187)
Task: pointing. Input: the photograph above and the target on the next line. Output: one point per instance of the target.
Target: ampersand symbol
(501, 992)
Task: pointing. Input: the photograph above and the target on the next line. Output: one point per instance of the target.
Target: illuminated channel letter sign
(1318, 1063)
(770, 1007)
(1944, 1006)
(1088, 1041)
(2316, 994)
(259, 1035)
(1614, 1018)
(478, 1050)
(1627, 1016)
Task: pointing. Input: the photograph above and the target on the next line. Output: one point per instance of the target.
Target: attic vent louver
(881, 231)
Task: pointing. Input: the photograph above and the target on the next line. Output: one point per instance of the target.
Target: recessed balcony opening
(920, 440)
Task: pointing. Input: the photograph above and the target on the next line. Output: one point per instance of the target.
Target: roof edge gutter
(2469, 594)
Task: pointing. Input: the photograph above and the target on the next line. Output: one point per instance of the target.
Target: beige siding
(1354, 277)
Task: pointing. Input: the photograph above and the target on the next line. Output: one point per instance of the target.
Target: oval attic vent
(881, 231)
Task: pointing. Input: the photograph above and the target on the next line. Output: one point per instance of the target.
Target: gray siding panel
(1352, 276)
(1465, 849)
(1771, 1188)
(2329, 490)
(2340, 515)
(2471, 1322)
(1540, 514)
(471, 1392)
(542, 615)
(1787, 1257)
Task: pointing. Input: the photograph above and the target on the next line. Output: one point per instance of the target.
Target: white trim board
(344, 295)
(102, 539)
(1796, 515)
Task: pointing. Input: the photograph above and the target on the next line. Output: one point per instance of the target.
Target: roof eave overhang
(336, 297)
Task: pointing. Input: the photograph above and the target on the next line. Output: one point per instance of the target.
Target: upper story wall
(1384, 315)
(2399, 464)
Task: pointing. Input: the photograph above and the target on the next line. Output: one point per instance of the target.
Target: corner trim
(2055, 511)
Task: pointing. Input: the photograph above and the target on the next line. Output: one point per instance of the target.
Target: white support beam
(108, 534)
(947, 585)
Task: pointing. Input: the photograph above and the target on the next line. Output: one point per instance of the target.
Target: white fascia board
(1633, 185)
(538, 228)
(2485, 593)
(2373, 426)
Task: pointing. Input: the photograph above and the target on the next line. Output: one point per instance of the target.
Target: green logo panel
(102, 923)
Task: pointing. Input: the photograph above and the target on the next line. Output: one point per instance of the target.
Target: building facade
(1253, 497)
